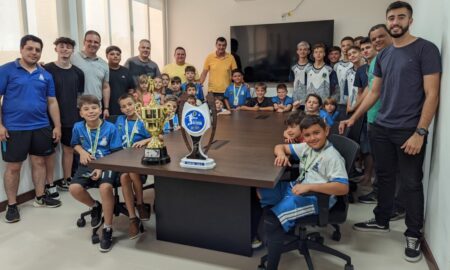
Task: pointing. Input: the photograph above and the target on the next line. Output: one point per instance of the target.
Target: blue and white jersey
(350, 89)
(108, 139)
(199, 92)
(341, 69)
(322, 82)
(288, 100)
(171, 124)
(136, 131)
(319, 166)
(242, 92)
(299, 73)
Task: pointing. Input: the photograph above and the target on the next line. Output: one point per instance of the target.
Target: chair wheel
(95, 239)
(336, 236)
(81, 222)
(348, 267)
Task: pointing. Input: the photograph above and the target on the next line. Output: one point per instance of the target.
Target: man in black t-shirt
(120, 79)
(406, 81)
(69, 83)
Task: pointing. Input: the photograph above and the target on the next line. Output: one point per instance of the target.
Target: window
(96, 18)
(10, 11)
(42, 22)
(156, 31)
(120, 27)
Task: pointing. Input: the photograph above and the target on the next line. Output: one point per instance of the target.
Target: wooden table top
(243, 152)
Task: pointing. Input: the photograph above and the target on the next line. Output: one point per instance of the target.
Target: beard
(397, 35)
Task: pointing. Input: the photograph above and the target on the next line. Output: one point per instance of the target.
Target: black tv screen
(267, 51)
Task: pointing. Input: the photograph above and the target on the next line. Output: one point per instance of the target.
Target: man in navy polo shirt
(28, 92)
(406, 81)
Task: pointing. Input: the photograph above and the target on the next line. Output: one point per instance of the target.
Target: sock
(108, 227)
(12, 205)
(39, 197)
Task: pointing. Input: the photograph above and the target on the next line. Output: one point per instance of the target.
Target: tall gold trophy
(154, 117)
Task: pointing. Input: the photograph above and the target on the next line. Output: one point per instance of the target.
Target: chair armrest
(323, 204)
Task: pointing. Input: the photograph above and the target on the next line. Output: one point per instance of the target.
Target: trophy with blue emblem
(196, 120)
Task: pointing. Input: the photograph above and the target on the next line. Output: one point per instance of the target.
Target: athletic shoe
(96, 215)
(46, 201)
(63, 185)
(106, 241)
(370, 226)
(52, 192)
(412, 250)
(12, 214)
(370, 198)
(143, 212)
(135, 228)
(256, 243)
(397, 215)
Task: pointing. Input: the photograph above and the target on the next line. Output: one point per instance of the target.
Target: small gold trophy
(154, 117)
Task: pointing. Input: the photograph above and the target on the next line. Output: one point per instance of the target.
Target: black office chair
(299, 239)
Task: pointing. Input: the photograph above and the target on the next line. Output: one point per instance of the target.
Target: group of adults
(39, 102)
(39, 108)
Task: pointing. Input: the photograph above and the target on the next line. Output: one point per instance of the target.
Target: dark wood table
(211, 208)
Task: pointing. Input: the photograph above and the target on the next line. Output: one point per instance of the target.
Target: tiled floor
(49, 239)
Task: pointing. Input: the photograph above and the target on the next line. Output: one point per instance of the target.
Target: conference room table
(211, 208)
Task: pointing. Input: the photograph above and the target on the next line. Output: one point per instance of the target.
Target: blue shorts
(287, 206)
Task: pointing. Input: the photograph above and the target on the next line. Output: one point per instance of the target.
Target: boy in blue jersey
(329, 112)
(237, 93)
(282, 102)
(352, 91)
(191, 91)
(28, 93)
(94, 138)
(322, 169)
(189, 72)
(172, 124)
(133, 133)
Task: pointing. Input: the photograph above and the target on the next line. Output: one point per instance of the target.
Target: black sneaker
(106, 241)
(397, 215)
(52, 192)
(96, 215)
(63, 185)
(46, 201)
(12, 214)
(370, 226)
(370, 198)
(412, 250)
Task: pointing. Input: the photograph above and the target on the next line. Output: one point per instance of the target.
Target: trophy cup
(154, 116)
(196, 120)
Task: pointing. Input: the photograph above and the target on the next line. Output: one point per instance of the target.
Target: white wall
(432, 22)
(195, 24)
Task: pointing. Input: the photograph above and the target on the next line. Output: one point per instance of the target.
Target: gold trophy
(154, 117)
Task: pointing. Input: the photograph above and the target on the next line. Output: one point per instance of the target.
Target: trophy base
(155, 156)
(203, 164)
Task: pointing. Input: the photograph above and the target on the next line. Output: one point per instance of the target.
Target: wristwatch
(422, 131)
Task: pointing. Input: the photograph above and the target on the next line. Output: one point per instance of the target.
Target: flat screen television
(267, 51)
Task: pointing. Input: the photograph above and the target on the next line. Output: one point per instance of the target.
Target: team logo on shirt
(41, 77)
(103, 142)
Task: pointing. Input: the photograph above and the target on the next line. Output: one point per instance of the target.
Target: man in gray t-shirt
(407, 75)
(95, 69)
(141, 64)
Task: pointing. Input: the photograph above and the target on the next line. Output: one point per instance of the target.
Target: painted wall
(432, 22)
(196, 24)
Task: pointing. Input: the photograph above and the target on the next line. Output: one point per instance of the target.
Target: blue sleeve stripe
(340, 180)
(293, 152)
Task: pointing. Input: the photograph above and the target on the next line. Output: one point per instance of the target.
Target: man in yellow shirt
(177, 68)
(219, 65)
